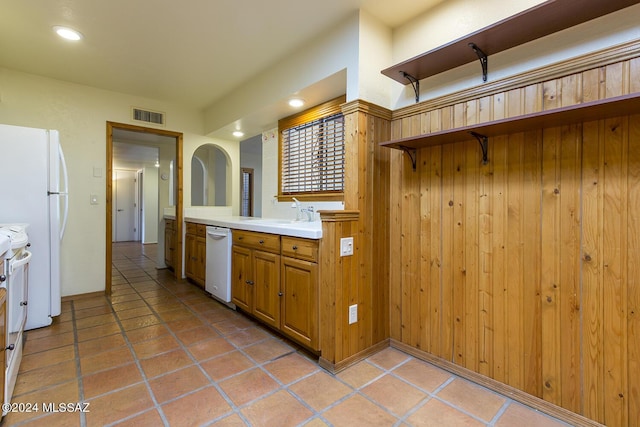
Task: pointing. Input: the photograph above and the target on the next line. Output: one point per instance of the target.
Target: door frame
(109, 182)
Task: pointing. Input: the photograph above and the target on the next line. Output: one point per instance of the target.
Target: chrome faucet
(296, 204)
(309, 211)
(300, 210)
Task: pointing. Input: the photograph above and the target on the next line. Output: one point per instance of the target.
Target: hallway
(161, 352)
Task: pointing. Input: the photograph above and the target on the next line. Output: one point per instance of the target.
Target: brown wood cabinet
(299, 271)
(255, 287)
(195, 253)
(169, 242)
(277, 284)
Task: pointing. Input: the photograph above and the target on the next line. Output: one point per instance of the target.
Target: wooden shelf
(588, 111)
(538, 21)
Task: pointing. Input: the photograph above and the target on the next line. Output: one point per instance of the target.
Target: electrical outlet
(353, 313)
(346, 246)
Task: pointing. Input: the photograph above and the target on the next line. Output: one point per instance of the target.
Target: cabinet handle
(239, 237)
(249, 282)
(261, 242)
(2, 278)
(280, 294)
(295, 248)
(193, 258)
(23, 302)
(11, 347)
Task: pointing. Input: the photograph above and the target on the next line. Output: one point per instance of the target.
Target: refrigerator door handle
(65, 192)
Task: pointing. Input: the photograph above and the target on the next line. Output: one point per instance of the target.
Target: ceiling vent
(147, 116)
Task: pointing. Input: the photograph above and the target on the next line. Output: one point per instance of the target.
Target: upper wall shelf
(594, 110)
(538, 21)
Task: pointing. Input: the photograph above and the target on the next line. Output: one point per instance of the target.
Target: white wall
(80, 114)
(150, 205)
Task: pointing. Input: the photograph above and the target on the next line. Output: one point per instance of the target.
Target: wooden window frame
(318, 112)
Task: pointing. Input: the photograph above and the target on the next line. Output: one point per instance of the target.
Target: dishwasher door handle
(217, 236)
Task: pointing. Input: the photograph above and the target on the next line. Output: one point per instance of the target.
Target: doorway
(175, 192)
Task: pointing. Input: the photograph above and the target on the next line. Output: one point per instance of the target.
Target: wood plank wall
(363, 278)
(526, 269)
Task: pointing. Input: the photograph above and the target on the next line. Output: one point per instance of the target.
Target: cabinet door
(190, 256)
(241, 281)
(201, 263)
(266, 275)
(300, 301)
(168, 246)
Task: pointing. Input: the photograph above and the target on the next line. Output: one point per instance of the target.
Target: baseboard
(513, 393)
(334, 368)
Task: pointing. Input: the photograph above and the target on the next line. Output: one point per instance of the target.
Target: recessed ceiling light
(296, 102)
(67, 33)
(238, 134)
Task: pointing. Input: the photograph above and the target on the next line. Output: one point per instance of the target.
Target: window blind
(313, 157)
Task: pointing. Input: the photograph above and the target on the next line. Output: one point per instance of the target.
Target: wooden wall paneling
(396, 162)
(634, 75)
(531, 252)
(328, 290)
(592, 357)
(592, 84)
(448, 270)
(569, 236)
(550, 267)
(615, 275)
(379, 224)
(459, 282)
(515, 262)
(616, 79)
(633, 275)
(497, 349)
(485, 248)
(362, 231)
(432, 226)
(473, 171)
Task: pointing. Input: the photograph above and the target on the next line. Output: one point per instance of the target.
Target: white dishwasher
(218, 278)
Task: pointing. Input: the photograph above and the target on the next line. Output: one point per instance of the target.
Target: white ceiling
(191, 52)
(188, 52)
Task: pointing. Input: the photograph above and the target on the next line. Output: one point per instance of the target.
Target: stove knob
(11, 347)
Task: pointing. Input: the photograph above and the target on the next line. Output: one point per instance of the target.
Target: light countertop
(284, 227)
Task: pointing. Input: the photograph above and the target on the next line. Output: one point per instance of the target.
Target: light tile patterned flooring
(161, 352)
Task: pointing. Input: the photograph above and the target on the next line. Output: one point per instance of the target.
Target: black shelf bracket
(484, 145)
(412, 152)
(483, 60)
(414, 83)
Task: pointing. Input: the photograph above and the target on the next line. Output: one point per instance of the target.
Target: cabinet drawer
(300, 248)
(199, 230)
(191, 227)
(263, 241)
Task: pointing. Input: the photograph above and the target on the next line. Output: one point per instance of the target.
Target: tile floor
(163, 353)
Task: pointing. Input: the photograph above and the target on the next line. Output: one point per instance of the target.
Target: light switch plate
(353, 313)
(346, 246)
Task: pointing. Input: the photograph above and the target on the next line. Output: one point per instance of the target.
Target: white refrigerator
(33, 190)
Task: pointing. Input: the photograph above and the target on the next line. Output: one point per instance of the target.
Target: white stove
(16, 275)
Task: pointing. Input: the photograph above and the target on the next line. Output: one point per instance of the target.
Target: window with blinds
(313, 155)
